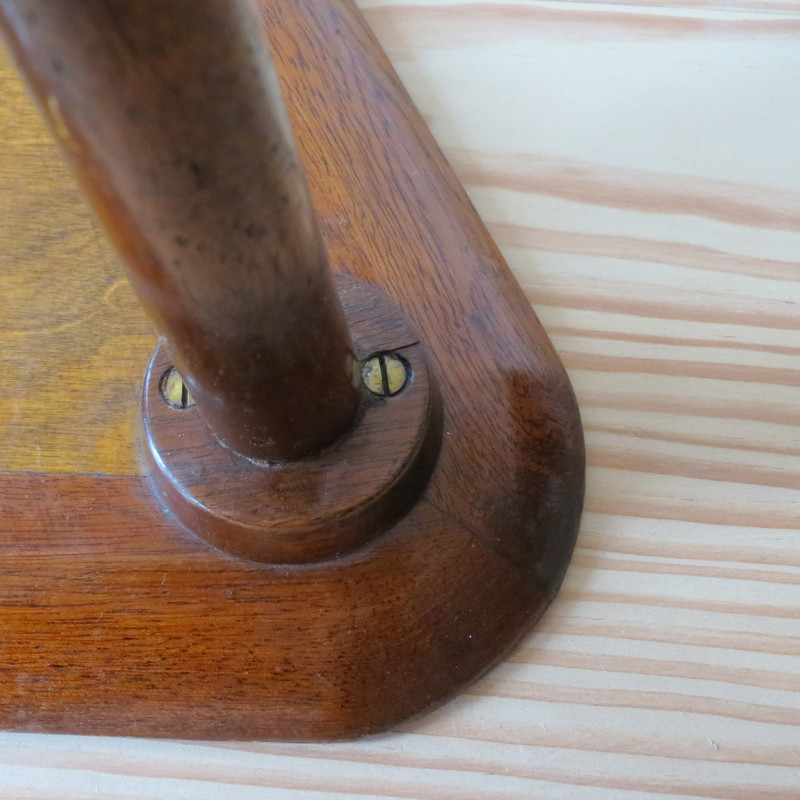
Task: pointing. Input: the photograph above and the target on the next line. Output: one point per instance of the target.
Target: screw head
(174, 391)
(385, 374)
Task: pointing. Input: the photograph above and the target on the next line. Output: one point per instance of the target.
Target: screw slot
(385, 374)
(174, 391)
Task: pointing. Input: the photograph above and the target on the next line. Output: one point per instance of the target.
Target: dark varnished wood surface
(190, 165)
(159, 634)
(155, 634)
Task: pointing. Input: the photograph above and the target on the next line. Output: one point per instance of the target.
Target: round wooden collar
(322, 505)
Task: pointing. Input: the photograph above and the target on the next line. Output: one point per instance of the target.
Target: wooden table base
(116, 620)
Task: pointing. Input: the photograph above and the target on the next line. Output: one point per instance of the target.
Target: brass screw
(385, 374)
(174, 391)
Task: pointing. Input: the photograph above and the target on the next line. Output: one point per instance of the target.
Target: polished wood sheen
(190, 165)
(159, 634)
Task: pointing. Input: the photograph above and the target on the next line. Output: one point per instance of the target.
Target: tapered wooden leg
(172, 119)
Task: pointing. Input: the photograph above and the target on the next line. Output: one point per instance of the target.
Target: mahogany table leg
(172, 119)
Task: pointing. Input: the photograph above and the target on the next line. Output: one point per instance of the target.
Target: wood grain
(463, 551)
(657, 221)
